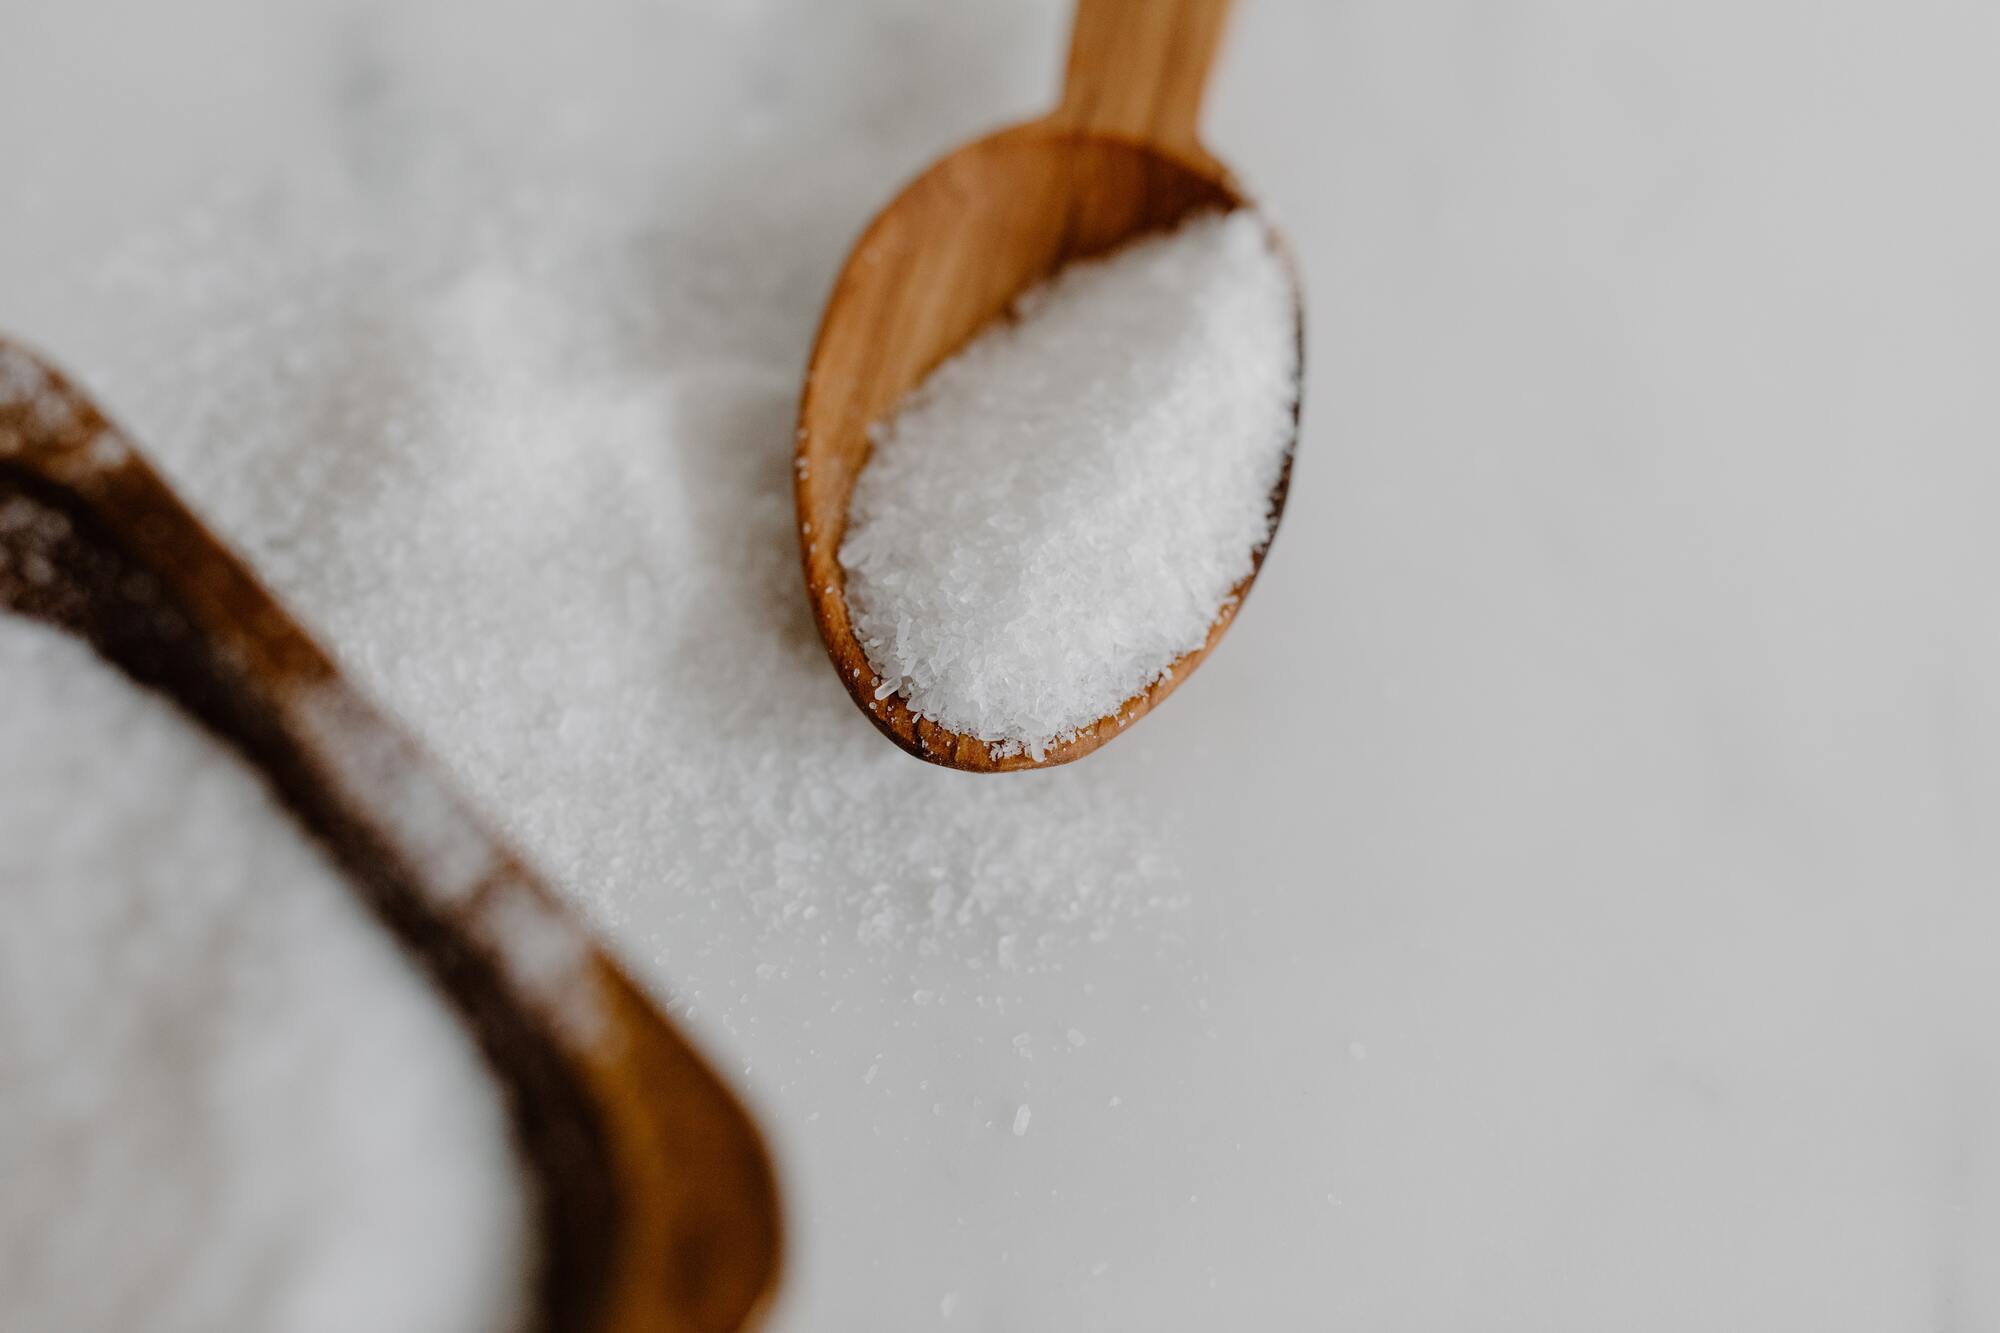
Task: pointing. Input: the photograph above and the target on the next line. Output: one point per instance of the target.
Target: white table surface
(1568, 902)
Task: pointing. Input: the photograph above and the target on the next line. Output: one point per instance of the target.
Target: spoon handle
(1137, 69)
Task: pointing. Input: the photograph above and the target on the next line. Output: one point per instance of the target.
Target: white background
(1566, 902)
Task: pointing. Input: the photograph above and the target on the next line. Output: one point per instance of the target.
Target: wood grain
(1138, 68)
(656, 1199)
(1118, 158)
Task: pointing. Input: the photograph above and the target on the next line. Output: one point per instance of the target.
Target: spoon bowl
(1118, 159)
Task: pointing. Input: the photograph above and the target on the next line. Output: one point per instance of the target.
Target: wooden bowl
(656, 1203)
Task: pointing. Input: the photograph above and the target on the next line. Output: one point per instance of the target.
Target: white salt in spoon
(1117, 159)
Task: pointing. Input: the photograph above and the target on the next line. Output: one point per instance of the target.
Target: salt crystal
(1021, 1114)
(1063, 509)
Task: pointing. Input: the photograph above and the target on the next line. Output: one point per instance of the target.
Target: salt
(516, 442)
(515, 482)
(1063, 509)
(229, 1102)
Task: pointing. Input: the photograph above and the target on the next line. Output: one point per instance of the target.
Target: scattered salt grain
(1063, 509)
(1021, 1115)
(229, 1101)
(537, 499)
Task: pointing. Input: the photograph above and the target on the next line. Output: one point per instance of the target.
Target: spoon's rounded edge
(820, 492)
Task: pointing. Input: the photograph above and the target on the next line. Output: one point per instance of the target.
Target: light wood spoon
(1117, 158)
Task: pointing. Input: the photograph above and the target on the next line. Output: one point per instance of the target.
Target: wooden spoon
(657, 1203)
(1117, 158)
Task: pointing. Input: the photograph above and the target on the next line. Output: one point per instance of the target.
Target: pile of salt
(1063, 509)
(229, 1102)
